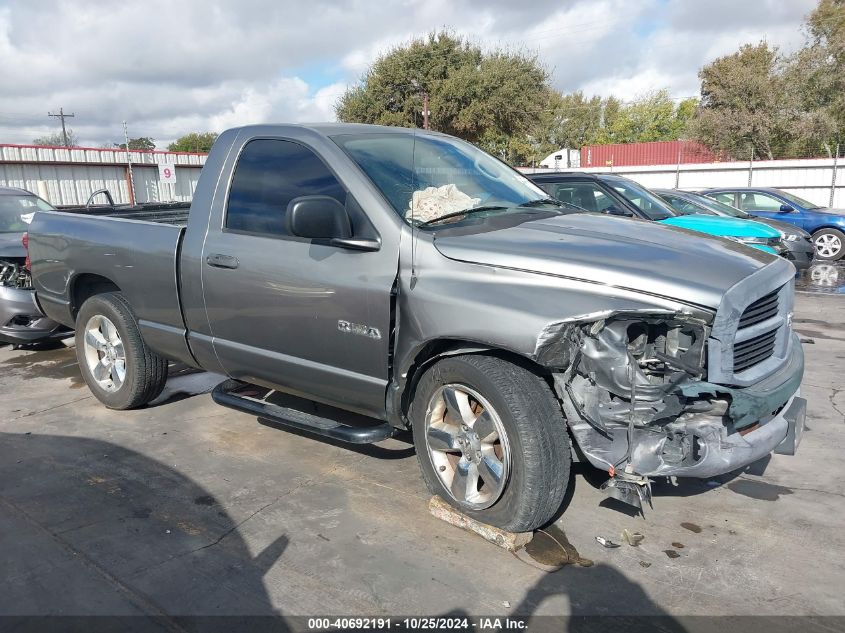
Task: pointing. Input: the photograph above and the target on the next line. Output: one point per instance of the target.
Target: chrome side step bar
(227, 394)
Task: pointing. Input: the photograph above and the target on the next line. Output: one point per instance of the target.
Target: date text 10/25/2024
(419, 624)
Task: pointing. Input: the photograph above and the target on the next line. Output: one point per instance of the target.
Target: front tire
(830, 244)
(491, 441)
(118, 367)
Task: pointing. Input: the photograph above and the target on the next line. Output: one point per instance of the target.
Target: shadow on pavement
(600, 599)
(91, 528)
(88, 528)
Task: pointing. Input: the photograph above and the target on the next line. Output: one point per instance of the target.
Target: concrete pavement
(185, 507)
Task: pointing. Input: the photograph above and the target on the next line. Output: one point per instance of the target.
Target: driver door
(282, 309)
(767, 206)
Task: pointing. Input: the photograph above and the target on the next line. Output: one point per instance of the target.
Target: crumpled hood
(10, 245)
(718, 225)
(634, 254)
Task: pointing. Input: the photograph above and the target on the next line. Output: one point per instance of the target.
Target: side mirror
(785, 208)
(318, 217)
(324, 218)
(614, 210)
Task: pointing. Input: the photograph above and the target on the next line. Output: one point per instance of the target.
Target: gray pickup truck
(412, 281)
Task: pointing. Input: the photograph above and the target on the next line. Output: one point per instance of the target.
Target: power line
(61, 115)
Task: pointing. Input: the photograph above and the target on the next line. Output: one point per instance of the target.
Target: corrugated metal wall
(653, 153)
(69, 176)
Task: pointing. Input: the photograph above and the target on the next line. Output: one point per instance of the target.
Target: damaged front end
(634, 392)
(21, 320)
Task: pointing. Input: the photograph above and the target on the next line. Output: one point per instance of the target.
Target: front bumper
(21, 321)
(747, 424)
(800, 253)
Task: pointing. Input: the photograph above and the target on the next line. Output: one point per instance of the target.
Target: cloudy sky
(169, 67)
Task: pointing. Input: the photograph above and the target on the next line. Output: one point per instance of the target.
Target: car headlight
(791, 237)
(763, 241)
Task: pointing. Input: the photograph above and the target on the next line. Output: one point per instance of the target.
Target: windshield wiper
(455, 214)
(535, 203)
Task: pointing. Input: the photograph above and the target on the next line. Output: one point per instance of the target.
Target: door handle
(222, 261)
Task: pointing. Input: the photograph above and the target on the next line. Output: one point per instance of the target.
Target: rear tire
(503, 420)
(830, 244)
(118, 367)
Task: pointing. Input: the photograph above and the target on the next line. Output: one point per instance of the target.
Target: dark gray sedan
(21, 321)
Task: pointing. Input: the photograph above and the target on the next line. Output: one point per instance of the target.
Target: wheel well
(86, 286)
(432, 351)
(832, 227)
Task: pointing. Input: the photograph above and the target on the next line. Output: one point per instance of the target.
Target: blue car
(827, 226)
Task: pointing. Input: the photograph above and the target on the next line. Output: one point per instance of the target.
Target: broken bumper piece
(718, 429)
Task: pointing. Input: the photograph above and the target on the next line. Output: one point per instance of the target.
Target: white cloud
(172, 67)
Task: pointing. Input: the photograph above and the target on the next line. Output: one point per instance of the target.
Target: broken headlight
(662, 348)
(627, 368)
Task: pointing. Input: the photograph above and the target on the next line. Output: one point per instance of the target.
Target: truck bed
(133, 252)
(175, 213)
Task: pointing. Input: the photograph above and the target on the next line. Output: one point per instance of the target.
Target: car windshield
(426, 177)
(720, 208)
(800, 202)
(16, 211)
(651, 206)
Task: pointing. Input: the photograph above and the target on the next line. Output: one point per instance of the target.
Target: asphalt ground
(187, 508)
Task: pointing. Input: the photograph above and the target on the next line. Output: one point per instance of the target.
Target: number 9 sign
(167, 173)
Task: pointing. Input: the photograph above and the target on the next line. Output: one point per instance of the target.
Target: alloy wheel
(828, 245)
(467, 445)
(104, 353)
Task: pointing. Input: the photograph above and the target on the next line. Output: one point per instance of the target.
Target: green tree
(816, 78)
(143, 143)
(653, 117)
(744, 103)
(572, 120)
(491, 99)
(782, 106)
(57, 140)
(194, 142)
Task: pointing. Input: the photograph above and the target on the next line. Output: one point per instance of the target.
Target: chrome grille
(762, 309)
(754, 350)
(750, 337)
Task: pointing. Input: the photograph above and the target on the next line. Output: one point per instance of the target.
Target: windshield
(651, 206)
(719, 208)
(426, 177)
(798, 201)
(16, 211)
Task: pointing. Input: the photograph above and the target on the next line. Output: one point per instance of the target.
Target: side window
(682, 206)
(727, 198)
(585, 195)
(269, 174)
(758, 202)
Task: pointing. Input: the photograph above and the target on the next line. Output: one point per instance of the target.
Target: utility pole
(129, 166)
(424, 94)
(61, 115)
